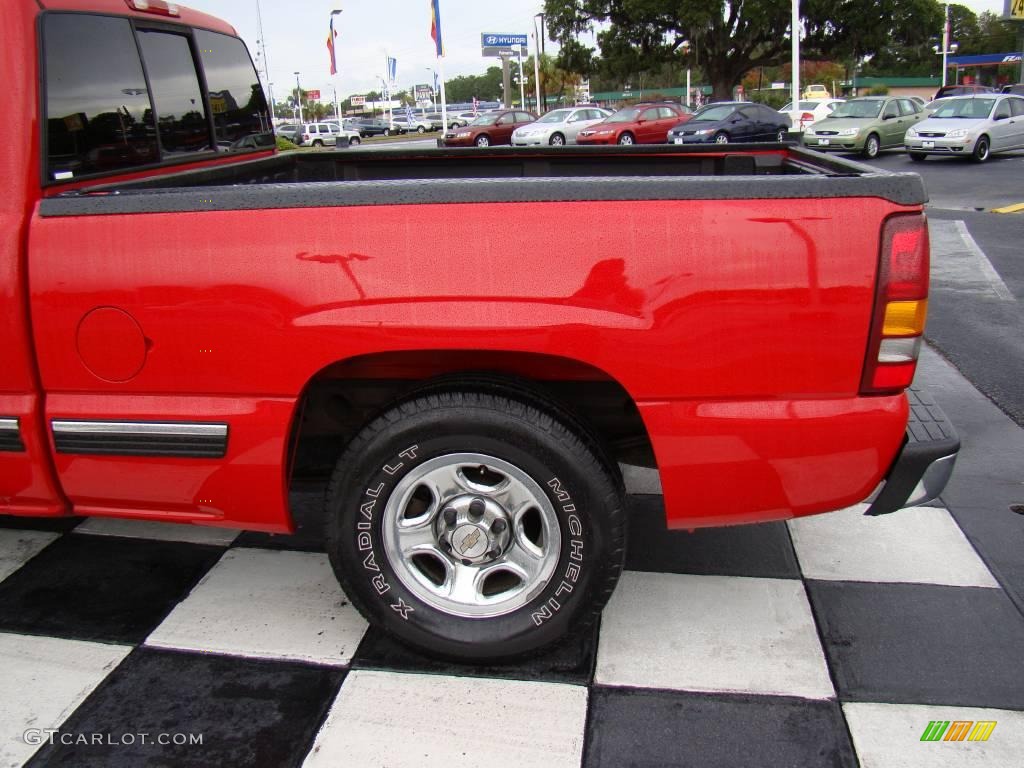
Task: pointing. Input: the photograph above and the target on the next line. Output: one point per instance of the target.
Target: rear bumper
(924, 464)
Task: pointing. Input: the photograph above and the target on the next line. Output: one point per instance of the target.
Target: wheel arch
(338, 400)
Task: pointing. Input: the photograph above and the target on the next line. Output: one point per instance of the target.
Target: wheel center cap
(469, 541)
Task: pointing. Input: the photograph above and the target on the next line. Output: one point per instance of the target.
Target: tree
(726, 40)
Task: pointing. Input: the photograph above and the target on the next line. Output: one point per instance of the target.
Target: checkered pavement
(828, 641)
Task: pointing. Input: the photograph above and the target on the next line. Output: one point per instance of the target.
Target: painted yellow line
(1017, 208)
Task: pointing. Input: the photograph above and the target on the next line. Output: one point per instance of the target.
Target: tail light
(305, 137)
(154, 6)
(901, 304)
(806, 117)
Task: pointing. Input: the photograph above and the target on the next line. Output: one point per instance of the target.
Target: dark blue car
(731, 121)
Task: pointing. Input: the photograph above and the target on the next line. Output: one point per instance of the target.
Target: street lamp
(337, 112)
(433, 87)
(536, 57)
(947, 47)
(298, 97)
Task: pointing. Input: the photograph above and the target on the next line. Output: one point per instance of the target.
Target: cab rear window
(120, 95)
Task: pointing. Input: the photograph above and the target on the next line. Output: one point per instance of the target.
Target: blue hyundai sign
(503, 41)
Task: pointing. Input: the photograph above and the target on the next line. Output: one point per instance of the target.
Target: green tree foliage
(726, 40)
(486, 87)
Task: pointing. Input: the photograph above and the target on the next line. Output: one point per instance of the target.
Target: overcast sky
(296, 37)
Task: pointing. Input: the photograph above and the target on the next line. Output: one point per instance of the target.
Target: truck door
(27, 481)
(131, 326)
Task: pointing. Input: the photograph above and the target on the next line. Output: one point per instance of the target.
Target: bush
(283, 144)
(879, 90)
(773, 99)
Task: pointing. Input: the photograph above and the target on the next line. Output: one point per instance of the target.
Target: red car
(489, 128)
(638, 124)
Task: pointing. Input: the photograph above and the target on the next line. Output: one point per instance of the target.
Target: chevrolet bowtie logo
(470, 541)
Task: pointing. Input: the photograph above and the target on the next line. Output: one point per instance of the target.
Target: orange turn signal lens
(905, 318)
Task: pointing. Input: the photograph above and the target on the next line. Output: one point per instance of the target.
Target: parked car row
(650, 123)
(971, 126)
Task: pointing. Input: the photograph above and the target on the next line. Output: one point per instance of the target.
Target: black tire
(483, 140)
(317, 143)
(584, 496)
(387, 132)
(982, 150)
(627, 139)
(420, 129)
(918, 157)
(557, 140)
(354, 141)
(871, 146)
(721, 137)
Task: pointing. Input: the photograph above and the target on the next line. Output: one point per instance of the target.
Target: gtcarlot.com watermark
(39, 736)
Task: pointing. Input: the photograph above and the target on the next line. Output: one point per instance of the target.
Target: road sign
(423, 93)
(357, 101)
(313, 95)
(1013, 9)
(497, 45)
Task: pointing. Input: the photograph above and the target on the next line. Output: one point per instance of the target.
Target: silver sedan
(558, 127)
(969, 126)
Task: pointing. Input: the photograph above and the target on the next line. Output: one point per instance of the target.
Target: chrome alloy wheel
(471, 535)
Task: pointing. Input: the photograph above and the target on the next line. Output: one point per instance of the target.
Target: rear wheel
(721, 138)
(317, 143)
(556, 140)
(871, 146)
(627, 139)
(354, 141)
(981, 150)
(483, 141)
(475, 525)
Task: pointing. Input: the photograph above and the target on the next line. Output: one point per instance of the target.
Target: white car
(809, 111)
(558, 127)
(324, 134)
(969, 126)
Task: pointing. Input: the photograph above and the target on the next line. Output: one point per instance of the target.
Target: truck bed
(498, 174)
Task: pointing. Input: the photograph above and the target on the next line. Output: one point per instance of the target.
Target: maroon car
(637, 124)
(489, 128)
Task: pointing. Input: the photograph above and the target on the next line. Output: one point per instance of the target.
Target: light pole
(433, 87)
(337, 112)
(536, 59)
(947, 47)
(685, 45)
(298, 97)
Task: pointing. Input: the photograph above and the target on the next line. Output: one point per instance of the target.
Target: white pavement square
(889, 736)
(920, 545)
(44, 679)
(157, 531)
(420, 721)
(18, 547)
(266, 604)
(712, 633)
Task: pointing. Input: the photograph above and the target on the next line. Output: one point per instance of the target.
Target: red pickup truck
(473, 339)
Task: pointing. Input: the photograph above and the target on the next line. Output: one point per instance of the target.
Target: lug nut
(446, 546)
(498, 526)
(493, 553)
(467, 562)
(449, 516)
(476, 508)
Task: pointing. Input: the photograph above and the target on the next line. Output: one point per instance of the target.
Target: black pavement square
(306, 500)
(51, 524)
(248, 712)
(637, 728)
(763, 549)
(921, 644)
(571, 661)
(101, 587)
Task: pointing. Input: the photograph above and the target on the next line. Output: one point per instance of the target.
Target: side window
(523, 117)
(908, 107)
(237, 101)
(667, 113)
(650, 114)
(98, 116)
(180, 114)
(891, 110)
(1003, 110)
(1016, 107)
